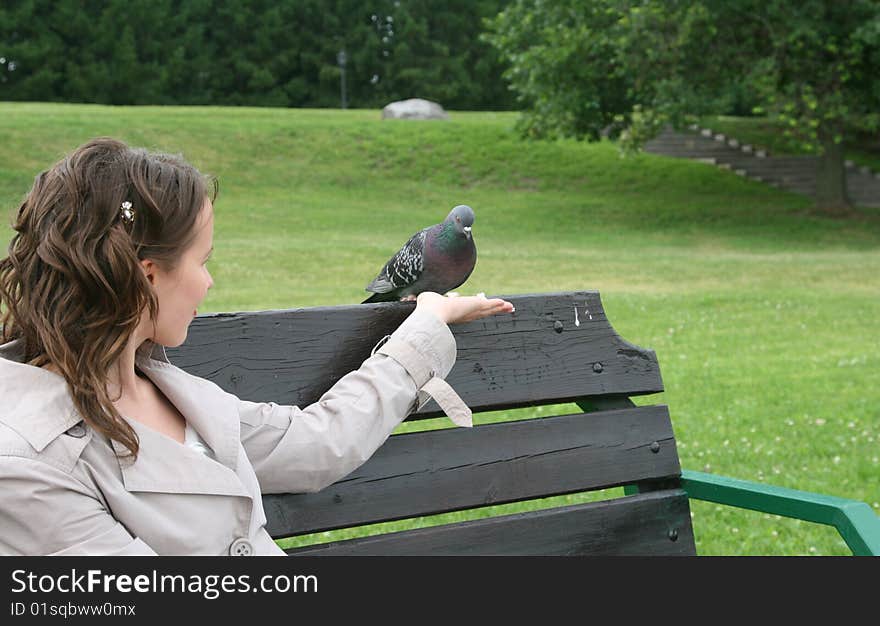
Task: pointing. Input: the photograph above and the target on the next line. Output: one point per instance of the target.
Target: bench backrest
(557, 348)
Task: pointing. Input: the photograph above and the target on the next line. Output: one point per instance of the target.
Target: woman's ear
(149, 270)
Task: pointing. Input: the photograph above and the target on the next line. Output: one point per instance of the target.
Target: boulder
(414, 109)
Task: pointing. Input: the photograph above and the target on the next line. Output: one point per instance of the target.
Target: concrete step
(867, 194)
(689, 145)
(793, 173)
(865, 199)
(684, 149)
(771, 163)
(808, 172)
(672, 145)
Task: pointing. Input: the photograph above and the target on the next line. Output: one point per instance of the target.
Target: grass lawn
(765, 318)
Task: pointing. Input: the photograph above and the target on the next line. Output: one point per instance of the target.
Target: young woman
(105, 446)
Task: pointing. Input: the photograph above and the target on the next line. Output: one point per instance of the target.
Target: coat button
(77, 430)
(241, 547)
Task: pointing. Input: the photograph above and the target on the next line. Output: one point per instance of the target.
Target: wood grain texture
(557, 347)
(445, 470)
(644, 524)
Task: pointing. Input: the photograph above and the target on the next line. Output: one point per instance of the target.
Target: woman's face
(181, 291)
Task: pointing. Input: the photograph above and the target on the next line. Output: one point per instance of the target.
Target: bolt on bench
(557, 348)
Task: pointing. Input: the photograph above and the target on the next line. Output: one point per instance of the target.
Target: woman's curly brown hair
(72, 284)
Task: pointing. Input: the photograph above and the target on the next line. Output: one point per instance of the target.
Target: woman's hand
(455, 309)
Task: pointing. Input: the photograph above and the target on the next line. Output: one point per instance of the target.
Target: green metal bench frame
(856, 522)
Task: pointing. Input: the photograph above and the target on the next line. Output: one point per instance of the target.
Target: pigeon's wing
(404, 268)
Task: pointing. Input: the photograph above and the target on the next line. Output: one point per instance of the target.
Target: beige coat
(63, 490)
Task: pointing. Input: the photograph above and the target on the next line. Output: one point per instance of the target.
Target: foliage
(820, 74)
(584, 67)
(256, 53)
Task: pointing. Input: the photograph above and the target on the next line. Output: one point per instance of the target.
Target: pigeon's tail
(380, 297)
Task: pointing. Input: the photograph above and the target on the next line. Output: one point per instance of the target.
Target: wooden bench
(557, 348)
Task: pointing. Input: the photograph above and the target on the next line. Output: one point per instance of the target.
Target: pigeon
(438, 258)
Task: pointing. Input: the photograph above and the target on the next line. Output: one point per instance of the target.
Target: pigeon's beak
(467, 231)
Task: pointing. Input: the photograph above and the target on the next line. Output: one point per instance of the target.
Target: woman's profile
(108, 448)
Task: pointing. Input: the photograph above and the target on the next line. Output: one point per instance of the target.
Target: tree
(255, 53)
(584, 67)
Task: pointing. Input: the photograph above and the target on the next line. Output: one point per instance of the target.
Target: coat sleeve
(296, 450)
(46, 511)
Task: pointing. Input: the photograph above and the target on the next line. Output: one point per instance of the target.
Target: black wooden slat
(644, 524)
(432, 472)
(557, 347)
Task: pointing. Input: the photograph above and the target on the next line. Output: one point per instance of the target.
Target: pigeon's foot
(452, 294)
(408, 298)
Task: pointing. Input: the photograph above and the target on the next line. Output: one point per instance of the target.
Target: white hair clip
(127, 212)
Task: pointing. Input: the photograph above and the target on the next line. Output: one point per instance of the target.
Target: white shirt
(194, 441)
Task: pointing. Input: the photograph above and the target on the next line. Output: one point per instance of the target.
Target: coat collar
(37, 405)
(211, 411)
(191, 471)
(36, 402)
